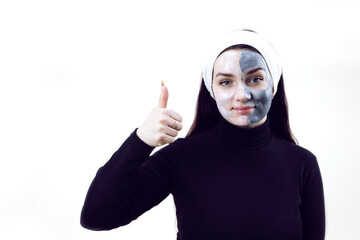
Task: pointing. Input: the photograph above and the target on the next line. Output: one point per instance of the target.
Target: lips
(244, 110)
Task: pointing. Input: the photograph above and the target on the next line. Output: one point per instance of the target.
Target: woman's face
(242, 87)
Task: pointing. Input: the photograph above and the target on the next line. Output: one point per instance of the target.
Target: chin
(241, 121)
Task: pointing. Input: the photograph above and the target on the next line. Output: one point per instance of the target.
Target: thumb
(163, 96)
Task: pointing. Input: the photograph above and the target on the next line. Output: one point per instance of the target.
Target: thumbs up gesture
(162, 125)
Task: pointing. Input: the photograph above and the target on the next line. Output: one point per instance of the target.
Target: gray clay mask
(261, 99)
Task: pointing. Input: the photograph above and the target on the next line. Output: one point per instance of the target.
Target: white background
(77, 77)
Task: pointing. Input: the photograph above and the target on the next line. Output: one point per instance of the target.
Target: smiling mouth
(244, 110)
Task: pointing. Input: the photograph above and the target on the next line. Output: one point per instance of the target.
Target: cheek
(267, 96)
(223, 101)
(262, 99)
(262, 96)
(224, 98)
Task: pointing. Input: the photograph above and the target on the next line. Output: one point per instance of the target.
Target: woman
(238, 174)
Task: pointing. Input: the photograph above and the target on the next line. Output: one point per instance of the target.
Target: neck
(239, 138)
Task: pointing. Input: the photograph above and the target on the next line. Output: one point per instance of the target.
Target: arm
(129, 184)
(312, 209)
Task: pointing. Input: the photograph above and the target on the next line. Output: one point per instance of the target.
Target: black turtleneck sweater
(227, 183)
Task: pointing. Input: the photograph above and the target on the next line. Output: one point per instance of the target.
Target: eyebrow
(224, 74)
(251, 71)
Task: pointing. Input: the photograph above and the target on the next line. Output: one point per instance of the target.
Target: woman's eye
(225, 82)
(255, 80)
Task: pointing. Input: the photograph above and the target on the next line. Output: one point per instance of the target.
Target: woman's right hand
(162, 125)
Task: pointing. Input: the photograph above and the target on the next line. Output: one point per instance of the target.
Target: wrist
(140, 136)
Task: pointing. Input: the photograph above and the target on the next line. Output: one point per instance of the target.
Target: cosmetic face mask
(242, 79)
(243, 37)
(259, 99)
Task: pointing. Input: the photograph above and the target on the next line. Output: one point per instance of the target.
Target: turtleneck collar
(243, 138)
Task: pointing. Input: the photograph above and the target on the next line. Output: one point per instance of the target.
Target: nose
(241, 94)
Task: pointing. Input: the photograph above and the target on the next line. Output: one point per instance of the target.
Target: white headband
(249, 38)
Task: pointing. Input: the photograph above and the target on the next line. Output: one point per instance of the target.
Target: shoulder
(298, 157)
(295, 152)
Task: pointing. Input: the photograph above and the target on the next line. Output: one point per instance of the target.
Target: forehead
(241, 59)
(250, 59)
(228, 61)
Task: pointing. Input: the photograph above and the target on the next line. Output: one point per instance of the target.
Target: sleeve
(312, 208)
(128, 185)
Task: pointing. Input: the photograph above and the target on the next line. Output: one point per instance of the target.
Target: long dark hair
(207, 113)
